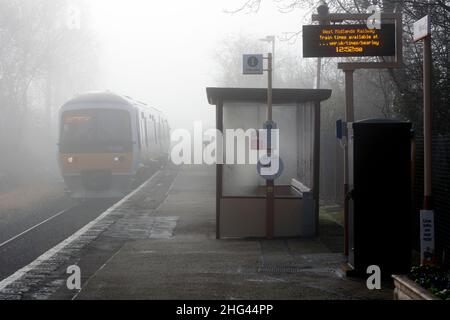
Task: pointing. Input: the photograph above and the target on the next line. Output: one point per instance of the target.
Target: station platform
(159, 243)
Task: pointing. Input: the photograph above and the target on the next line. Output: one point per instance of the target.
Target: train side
(107, 141)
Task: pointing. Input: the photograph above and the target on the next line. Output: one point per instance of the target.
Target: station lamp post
(271, 39)
(253, 64)
(323, 12)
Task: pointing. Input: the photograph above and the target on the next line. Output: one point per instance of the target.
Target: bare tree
(42, 63)
(407, 81)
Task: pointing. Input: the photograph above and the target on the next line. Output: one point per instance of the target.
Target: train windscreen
(96, 130)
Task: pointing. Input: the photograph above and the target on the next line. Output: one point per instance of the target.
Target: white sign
(253, 64)
(422, 28)
(427, 254)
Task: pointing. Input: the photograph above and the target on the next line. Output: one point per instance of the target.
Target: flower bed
(423, 283)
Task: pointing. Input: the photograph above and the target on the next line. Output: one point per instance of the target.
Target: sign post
(270, 184)
(253, 64)
(354, 40)
(422, 28)
(422, 31)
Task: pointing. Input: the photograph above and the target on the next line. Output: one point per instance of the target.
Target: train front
(96, 150)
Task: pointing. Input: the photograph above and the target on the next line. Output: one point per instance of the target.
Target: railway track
(22, 248)
(27, 242)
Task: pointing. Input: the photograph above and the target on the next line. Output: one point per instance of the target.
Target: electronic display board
(354, 40)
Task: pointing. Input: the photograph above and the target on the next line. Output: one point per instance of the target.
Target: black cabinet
(380, 195)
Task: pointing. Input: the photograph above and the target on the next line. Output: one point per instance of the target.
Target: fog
(97, 167)
(164, 52)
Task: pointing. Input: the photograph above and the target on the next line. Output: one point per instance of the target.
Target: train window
(159, 128)
(156, 134)
(99, 130)
(138, 131)
(164, 130)
(113, 126)
(77, 126)
(146, 132)
(141, 124)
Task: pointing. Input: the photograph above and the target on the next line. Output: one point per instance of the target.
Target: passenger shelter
(241, 191)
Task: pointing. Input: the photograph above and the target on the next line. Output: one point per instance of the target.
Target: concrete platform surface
(160, 244)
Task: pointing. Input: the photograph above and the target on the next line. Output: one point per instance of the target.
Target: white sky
(161, 52)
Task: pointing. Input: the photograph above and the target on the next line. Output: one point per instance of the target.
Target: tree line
(47, 54)
(395, 93)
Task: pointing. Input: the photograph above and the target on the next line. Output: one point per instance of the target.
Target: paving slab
(164, 247)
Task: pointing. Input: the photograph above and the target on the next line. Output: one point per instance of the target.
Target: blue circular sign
(270, 168)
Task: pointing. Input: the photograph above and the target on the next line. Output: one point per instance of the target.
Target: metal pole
(273, 57)
(323, 12)
(316, 152)
(271, 39)
(427, 115)
(219, 170)
(316, 168)
(349, 117)
(270, 185)
(269, 87)
(319, 70)
(349, 110)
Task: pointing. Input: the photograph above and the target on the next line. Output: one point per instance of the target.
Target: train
(107, 142)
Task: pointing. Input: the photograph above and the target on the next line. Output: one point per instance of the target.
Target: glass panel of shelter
(295, 123)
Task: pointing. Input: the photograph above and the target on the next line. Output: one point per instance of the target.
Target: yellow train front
(107, 141)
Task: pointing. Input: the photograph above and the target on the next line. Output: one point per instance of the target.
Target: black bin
(380, 195)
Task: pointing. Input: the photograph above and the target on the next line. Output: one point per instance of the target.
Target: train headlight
(119, 159)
